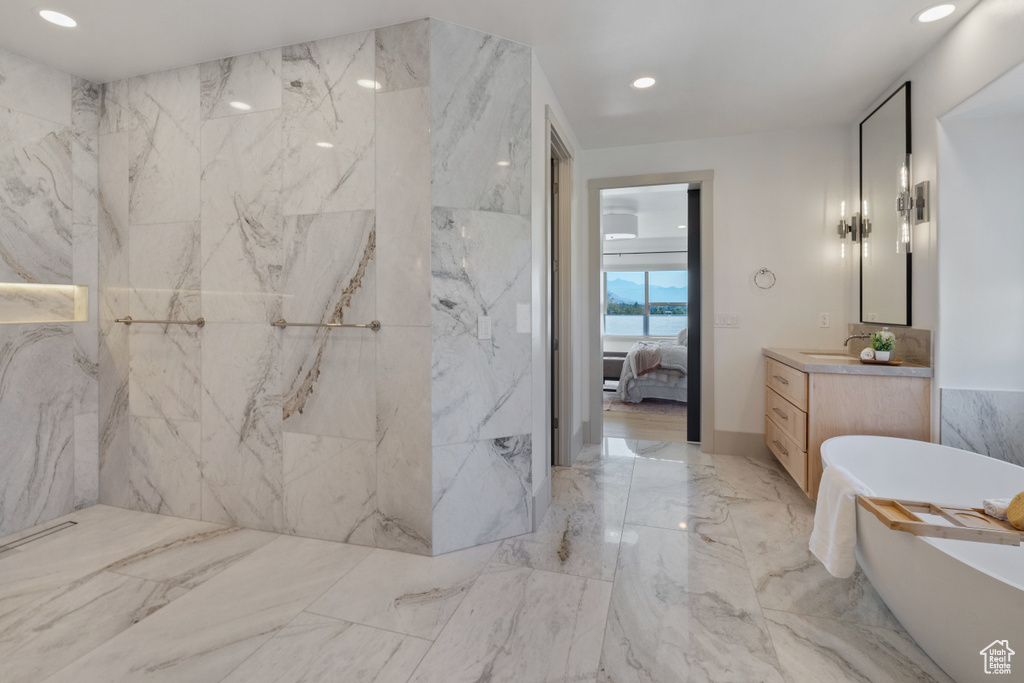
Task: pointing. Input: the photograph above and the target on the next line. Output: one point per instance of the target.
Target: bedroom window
(645, 303)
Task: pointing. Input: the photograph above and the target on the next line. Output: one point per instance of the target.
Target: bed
(655, 369)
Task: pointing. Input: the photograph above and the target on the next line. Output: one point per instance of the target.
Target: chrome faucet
(856, 336)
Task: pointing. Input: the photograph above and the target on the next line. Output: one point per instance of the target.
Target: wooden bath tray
(965, 524)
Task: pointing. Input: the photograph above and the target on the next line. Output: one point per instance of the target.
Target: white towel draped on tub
(834, 538)
(996, 507)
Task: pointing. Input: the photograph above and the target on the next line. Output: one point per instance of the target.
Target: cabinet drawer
(789, 382)
(786, 417)
(785, 449)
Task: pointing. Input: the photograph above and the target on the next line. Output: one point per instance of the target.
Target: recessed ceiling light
(681, 227)
(367, 83)
(504, 163)
(58, 18)
(936, 13)
(325, 145)
(241, 106)
(643, 82)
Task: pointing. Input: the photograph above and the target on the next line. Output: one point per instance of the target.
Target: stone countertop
(801, 360)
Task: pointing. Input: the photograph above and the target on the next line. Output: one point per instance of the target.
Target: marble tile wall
(480, 251)
(48, 235)
(986, 422)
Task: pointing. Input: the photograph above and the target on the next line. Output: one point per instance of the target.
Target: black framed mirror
(885, 267)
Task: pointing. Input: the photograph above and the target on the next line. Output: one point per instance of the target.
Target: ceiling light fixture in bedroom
(643, 82)
(935, 13)
(58, 18)
(619, 226)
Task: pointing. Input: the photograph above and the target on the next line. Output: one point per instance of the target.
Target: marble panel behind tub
(482, 492)
(35, 199)
(323, 103)
(253, 79)
(241, 415)
(37, 423)
(986, 422)
(480, 120)
(241, 218)
(481, 267)
(164, 134)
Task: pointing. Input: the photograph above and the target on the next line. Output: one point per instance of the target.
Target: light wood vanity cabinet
(804, 409)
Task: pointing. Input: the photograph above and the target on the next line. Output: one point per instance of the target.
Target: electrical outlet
(824, 320)
(483, 327)
(731, 320)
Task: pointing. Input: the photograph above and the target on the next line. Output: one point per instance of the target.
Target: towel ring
(764, 279)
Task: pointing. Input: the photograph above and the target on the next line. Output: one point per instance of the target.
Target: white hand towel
(997, 507)
(834, 538)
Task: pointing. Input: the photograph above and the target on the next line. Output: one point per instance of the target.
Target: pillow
(681, 338)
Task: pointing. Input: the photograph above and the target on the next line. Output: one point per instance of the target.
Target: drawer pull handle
(781, 414)
(781, 379)
(781, 447)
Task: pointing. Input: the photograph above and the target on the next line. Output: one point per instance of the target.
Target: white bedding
(665, 383)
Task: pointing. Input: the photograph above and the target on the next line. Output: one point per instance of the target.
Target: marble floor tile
(674, 495)
(49, 633)
(659, 450)
(603, 468)
(318, 648)
(207, 633)
(581, 530)
(757, 479)
(827, 651)
(518, 624)
(683, 609)
(405, 593)
(102, 536)
(188, 561)
(787, 577)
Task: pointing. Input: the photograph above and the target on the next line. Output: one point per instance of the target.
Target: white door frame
(706, 181)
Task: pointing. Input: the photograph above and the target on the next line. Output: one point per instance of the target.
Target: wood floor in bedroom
(650, 427)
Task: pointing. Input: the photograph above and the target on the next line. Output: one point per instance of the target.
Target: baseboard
(741, 443)
(576, 444)
(541, 502)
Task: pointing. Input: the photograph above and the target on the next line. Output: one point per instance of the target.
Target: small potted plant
(883, 343)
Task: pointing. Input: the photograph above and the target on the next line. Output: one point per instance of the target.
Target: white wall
(543, 97)
(776, 201)
(984, 45)
(981, 293)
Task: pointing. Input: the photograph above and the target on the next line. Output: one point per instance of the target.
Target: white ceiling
(660, 209)
(724, 67)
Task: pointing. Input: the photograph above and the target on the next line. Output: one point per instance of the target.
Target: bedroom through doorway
(649, 294)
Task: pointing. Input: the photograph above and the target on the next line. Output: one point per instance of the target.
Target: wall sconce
(911, 207)
(847, 227)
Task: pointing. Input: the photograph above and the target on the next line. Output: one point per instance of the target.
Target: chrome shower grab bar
(128, 320)
(375, 325)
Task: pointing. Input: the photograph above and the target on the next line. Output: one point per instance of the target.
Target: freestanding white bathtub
(954, 597)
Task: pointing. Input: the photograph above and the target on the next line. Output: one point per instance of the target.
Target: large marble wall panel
(85, 271)
(34, 89)
(241, 218)
(482, 492)
(329, 125)
(35, 199)
(330, 488)
(164, 144)
(403, 56)
(403, 206)
(986, 422)
(242, 461)
(481, 267)
(253, 80)
(480, 94)
(37, 423)
(112, 300)
(404, 450)
(164, 475)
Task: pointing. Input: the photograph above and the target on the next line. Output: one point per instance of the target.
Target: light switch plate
(727, 320)
(483, 327)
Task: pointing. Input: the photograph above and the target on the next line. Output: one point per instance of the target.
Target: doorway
(659, 285)
(561, 349)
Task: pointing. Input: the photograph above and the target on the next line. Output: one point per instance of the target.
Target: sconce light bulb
(864, 213)
(842, 211)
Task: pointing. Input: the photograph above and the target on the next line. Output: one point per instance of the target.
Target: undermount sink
(831, 356)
